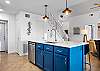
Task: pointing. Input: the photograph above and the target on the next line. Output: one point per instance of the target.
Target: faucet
(55, 34)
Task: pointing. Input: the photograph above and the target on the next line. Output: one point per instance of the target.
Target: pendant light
(67, 11)
(45, 17)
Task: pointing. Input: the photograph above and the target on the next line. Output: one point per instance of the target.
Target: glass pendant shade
(45, 17)
(67, 11)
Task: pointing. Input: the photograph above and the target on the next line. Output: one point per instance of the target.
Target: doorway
(4, 35)
(90, 31)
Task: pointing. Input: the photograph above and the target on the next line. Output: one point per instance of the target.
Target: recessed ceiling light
(1, 10)
(7, 1)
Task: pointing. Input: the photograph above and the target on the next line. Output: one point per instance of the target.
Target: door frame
(5, 34)
(92, 29)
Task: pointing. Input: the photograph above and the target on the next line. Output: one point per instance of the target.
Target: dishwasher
(31, 52)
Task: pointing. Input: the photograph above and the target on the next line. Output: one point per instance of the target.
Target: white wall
(11, 31)
(66, 25)
(37, 31)
(39, 27)
(11, 34)
(81, 21)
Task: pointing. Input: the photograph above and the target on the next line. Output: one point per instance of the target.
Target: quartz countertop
(97, 39)
(67, 44)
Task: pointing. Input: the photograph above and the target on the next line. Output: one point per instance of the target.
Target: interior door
(6, 36)
(90, 31)
(2, 36)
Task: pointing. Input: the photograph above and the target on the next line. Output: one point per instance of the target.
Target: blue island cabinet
(60, 63)
(48, 61)
(48, 58)
(76, 58)
(68, 59)
(58, 58)
(39, 55)
(44, 56)
(61, 59)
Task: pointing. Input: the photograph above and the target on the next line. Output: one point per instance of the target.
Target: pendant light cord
(46, 10)
(66, 3)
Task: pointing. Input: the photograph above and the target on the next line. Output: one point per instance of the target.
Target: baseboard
(25, 53)
(22, 54)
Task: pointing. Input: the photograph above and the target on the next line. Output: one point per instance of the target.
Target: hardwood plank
(14, 62)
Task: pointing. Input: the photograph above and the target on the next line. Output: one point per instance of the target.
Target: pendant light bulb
(45, 18)
(67, 11)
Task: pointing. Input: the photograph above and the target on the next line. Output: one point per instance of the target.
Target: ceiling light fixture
(1, 10)
(67, 11)
(7, 2)
(45, 17)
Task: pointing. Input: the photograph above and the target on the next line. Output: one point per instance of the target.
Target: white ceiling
(37, 6)
(84, 7)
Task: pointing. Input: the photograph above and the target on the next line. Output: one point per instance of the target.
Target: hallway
(13, 62)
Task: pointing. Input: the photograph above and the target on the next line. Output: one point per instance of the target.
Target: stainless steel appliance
(31, 51)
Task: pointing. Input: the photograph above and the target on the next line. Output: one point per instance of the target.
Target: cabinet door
(39, 58)
(48, 61)
(76, 58)
(60, 63)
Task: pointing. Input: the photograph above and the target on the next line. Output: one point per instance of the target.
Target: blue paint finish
(60, 63)
(76, 58)
(83, 56)
(85, 51)
(39, 58)
(61, 50)
(56, 58)
(39, 55)
(48, 48)
(48, 61)
(39, 46)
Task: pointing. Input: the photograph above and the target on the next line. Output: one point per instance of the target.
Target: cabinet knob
(65, 58)
(38, 46)
(47, 48)
(65, 62)
(41, 53)
(59, 51)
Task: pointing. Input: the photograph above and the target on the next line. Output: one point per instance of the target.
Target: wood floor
(95, 63)
(14, 62)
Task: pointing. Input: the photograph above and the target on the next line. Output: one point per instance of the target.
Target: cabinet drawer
(61, 50)
(39, 46)
(48, 48)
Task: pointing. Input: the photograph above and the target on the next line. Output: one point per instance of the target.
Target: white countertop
(96, 39)
(68, 44)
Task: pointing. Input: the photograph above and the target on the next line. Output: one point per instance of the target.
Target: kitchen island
(60, 56)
